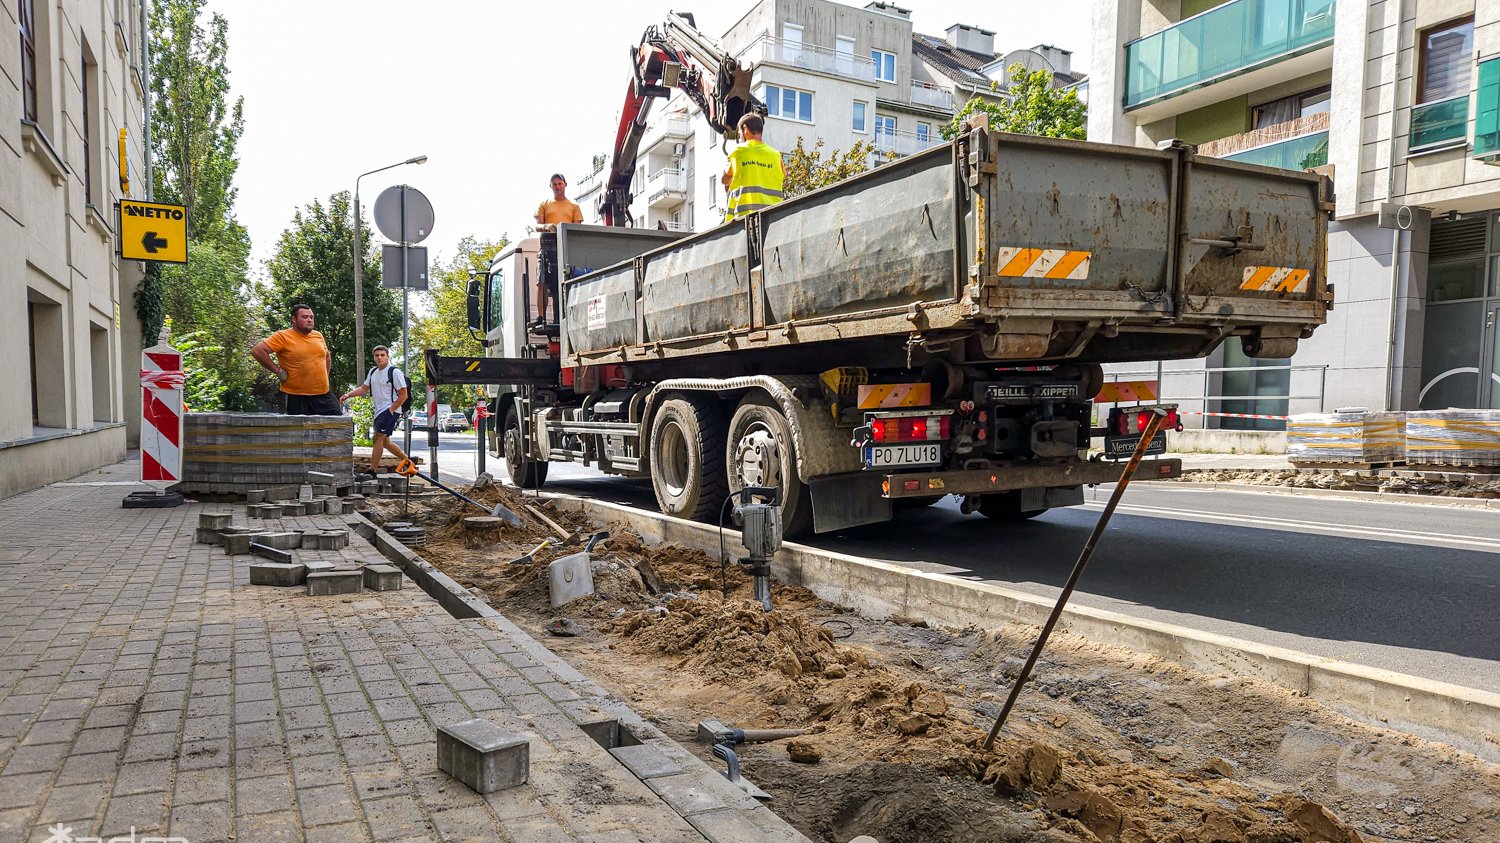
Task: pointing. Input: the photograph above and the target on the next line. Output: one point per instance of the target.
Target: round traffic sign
(403, 214)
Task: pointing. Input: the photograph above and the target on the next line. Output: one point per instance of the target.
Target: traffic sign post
(152, 231)
(162, 380)
(404, 215)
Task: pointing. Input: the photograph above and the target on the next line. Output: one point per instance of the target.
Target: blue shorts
(386, 422)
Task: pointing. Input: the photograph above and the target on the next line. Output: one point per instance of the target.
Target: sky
(497, 95)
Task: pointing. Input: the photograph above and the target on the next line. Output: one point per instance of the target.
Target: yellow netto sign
(151, 231)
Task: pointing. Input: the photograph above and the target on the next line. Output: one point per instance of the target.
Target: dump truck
(935, 326)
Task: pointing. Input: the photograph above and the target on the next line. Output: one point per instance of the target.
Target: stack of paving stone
(1453, 437)
(233, 453)
(1348, 436)
(217, 529)
(327, 578)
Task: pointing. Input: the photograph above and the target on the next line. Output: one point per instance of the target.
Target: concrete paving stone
(267, 552)
(380, 672)
(145, 777)
(14, 823)
(393, 818)
(464, 824)
(52, 731)
(304, 742)
(436, 694)
(278, 574)
(140, 662)
(686, 794)
(370, 749)
(557, 691)
(193, 786)
(399, 708)
(346, 832)
(261, 733)
(385, 689)
(262, 795)
(465, 680)
(295, 679)
(327, 805)
(355, 724)
(18, 790)
(254, 691)
(380, 781)
(646, 761)
(730, 826)
(168, 682)
(382, 578)
(200, 822)
(257, 663)
(198, 755)
(280, 827)
(15, 725)
(42, 758)
(87, 767)
(304, 717)
(157, 722)
(205, 727)
(207, 705)
(251, 711)
(537, 829)
(446, 712)
(293, 697)
(146, 812)
(260, 761)
(65, 710)
(537, 675)
(532, 704)
(409, 732)
(350, 701)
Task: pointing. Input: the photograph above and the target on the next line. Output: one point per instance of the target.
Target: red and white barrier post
(162, 380)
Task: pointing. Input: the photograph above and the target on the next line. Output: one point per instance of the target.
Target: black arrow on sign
(152, 242)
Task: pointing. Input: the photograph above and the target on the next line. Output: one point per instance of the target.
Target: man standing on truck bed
(303, 364)
(556, 210)
(754, 179)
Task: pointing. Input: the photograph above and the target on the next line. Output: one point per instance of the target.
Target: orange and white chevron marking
(1022, 262)
(1276, 279)
(876, 395)
(1127, 392)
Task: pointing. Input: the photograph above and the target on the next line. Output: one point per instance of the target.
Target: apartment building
(826, 71)
(71, 80)
(1400, 101)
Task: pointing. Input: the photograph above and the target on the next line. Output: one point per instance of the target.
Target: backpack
(390, 379)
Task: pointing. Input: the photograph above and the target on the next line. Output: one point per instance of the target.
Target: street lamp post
(359, 263)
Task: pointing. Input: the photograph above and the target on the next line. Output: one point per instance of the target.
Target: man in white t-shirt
(388, 389)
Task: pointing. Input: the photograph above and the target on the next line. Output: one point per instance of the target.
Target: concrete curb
(1466, 718)
(722, 812)
(1385, 497)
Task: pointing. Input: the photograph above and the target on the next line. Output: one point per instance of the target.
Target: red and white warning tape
(1232, 415)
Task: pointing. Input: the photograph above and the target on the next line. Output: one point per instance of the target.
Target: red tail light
(877, 429)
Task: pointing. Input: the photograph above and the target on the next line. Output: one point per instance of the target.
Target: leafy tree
(195, 134)
(807, 171)
(445, 328)
(1030, 105)
(311, 266)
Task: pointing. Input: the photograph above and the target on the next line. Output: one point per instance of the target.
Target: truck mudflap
(921, 484)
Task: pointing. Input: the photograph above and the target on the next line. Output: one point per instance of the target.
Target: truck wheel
(523, 471)
(687, 436)
(761, 452)
(1005, 506)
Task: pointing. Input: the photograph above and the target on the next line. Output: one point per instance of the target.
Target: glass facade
(1436, 123)
(1232, 38)
(1487, 110)
(1294, 154)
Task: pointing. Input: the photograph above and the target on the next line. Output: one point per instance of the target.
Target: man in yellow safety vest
(754, 179)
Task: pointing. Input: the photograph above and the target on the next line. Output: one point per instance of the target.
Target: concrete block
(570, 578)
(237, 529)
(365, 529)
(322, 477)
(483, 756)
(313, 507)
(214, 520)
(278, 573)
(322, 489)
(293, 509)
(255, 496)
(315, 566)
(238, 544)
(281, 540)
(382, 578)
(336, 539)
(325, 583)
(206, 536)
(271, 553)
(263, 510)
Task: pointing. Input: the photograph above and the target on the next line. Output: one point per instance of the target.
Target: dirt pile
(1352, 481)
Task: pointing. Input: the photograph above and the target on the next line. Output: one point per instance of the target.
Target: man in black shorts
(386, 385)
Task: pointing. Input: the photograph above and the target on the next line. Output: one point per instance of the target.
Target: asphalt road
(1413, 588)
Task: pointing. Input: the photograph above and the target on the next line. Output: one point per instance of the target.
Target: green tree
(311, 266)
(1029, 105)
(806, 170)
(195, 134)
(444, 324)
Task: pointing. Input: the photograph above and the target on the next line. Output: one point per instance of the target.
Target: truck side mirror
(476, 302)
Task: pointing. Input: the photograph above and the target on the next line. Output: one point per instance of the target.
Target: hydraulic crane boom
(672, 56)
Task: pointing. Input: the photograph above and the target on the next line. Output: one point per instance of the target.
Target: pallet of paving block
(1466, 438)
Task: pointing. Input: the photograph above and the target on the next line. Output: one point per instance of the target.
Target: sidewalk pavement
(1259, 462)
(145, 685)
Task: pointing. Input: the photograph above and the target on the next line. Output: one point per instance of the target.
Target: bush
(364, 419)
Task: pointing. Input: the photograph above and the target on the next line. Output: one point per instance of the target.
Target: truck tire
(687, 436)
(762, 452)
(523, 471)
(1005, 507)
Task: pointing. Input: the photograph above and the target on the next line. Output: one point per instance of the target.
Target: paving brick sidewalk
(144, 683)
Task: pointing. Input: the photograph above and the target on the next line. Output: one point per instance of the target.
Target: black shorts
(386, 422)
(312, 405)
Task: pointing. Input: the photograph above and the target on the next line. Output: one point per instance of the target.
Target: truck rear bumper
(1021, 476)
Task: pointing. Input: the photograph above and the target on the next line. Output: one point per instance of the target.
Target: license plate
(900, 456)
(1121, 447)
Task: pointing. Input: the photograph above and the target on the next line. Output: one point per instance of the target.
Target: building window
(885, 126)
(28, 60)
(1441, 112)
(90, 125)
(1291, 108)
(885, 65)
(99, 371)
(924, 132)
(791, 45)
(789, 103)
(843, 54)
(861, 116)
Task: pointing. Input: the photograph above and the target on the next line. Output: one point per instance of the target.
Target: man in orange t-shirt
(303, 364)
(558, 209)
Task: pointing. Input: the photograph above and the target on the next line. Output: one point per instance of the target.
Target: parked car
(455, 421)
(419, 421)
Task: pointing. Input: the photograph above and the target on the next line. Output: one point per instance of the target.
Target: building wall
(60, 280)
(1211, 122)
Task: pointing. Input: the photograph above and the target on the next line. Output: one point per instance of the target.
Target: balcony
(1294, 145)
(931, 97)
(673, 225)
(673, 130)
(666, 186)
(768, 50)
(1487, 113)
(904, 143)
(1439, 124)
(1225, 41)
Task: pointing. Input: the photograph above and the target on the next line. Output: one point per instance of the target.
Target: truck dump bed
(1025, 249)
